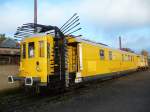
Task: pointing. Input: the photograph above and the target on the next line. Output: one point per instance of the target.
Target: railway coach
(57, 60)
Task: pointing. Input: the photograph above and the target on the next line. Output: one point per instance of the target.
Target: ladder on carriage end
(61, 59)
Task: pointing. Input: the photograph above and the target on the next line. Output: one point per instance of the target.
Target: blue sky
(101, 20)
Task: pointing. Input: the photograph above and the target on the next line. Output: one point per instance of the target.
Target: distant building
(9, 52)
(9, 43)
(149, 60)
(9, 56)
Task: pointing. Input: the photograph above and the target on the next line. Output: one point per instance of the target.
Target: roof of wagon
(79, 39)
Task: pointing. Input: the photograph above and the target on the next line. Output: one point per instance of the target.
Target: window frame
(110, 53)
(48, 50)
(40, 54)
(122, 57)
(102, 54)
(128, 57)
(23, 51)
(29, 50)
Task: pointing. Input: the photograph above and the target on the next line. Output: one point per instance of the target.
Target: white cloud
(11, 16)
(50, 14)
(14, 14)
(122, 13)
(97, 13)
(99, 18)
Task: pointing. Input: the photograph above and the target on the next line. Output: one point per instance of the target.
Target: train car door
(73, 57)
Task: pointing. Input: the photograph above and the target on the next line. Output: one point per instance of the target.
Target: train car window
(31, 49)
(102, 54)
(48, 50)
(24, 51)
(41, 49)
(128, 57)
(110, 55)
(122, 57)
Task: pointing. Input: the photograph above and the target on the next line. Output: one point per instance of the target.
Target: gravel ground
(126, 94)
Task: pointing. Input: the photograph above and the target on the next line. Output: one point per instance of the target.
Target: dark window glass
(110, 55)
(122, 57)
(102, 54)
(24, 51)
(31, 50)
(48, 50)
(126, 57)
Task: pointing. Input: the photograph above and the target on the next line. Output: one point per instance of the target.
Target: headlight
(38, 69)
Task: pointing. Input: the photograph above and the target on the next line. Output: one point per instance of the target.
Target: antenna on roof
(70, 25)
(35, 14)
(68, 21)
(120, 43)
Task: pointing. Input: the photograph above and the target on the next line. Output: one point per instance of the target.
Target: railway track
(17, 102)
(20, 101)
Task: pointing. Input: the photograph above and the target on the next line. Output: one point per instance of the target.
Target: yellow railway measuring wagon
(97, 60)
(57, 60)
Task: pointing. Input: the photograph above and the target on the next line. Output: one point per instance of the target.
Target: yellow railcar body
(84, 58)
(92, 65)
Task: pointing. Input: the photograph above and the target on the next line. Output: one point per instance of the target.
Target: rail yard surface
(129, 93)
(6, 70)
